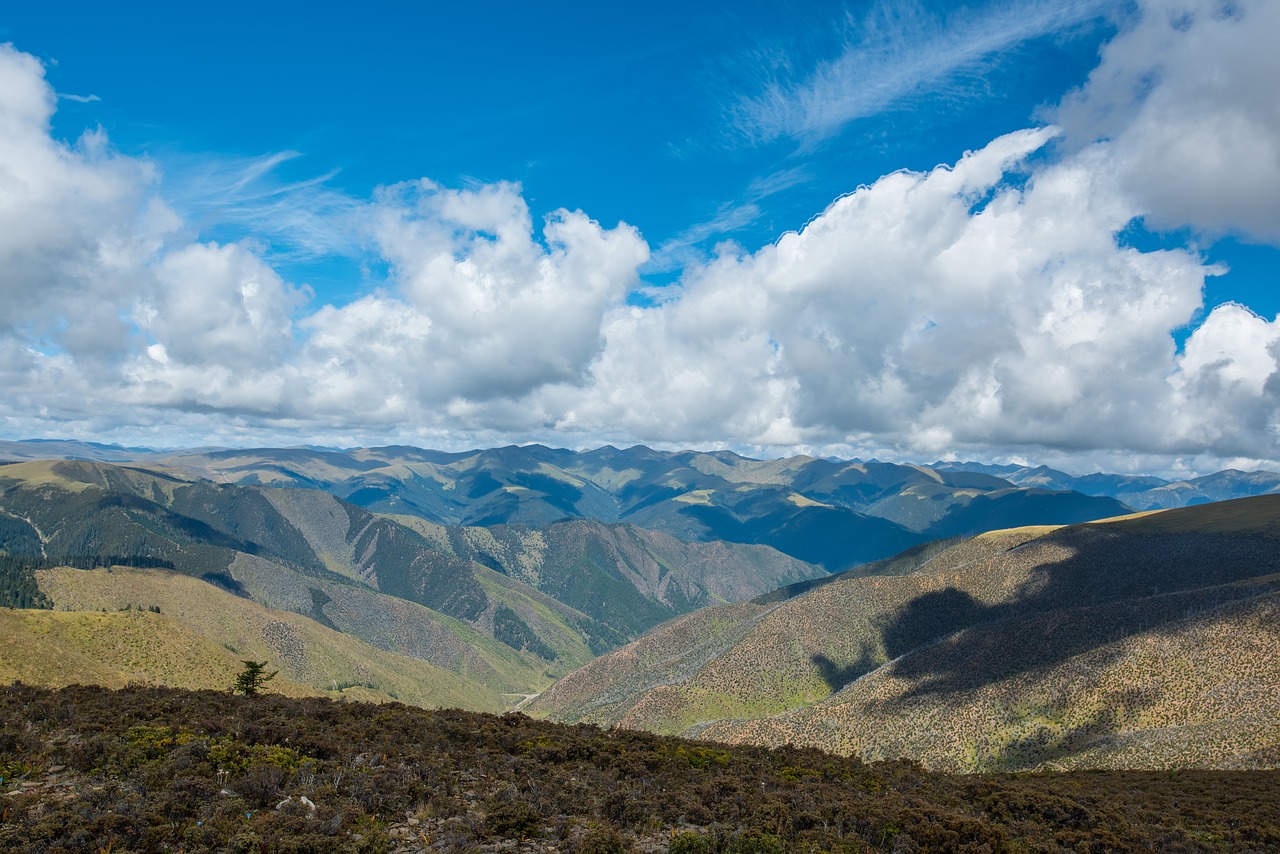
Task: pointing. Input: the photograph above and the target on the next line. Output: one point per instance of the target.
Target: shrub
(600, 839)
(688, 842)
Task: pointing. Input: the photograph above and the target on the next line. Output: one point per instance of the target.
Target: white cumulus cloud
(1187, 96)
(77, 222)
(506, 312)
(982, 308)
(930, 312)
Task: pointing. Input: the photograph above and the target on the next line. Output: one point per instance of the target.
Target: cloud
(930, 312)
(507, 312)
(1186, 95)
(77, 223)
(220, 305)
(79, 99)
(1230, 367)
(985, 308)
(299, 219)
(898, 51)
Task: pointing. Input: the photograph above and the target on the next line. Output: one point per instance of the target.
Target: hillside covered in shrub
(152, 769)
(1146, 641)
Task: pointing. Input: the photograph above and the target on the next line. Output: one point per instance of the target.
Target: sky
(1038, 232)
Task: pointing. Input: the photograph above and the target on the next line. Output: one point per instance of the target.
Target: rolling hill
(161, 769)
(1143, 641)
(155, 626)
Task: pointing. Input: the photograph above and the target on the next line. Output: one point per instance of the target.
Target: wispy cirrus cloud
(729, 217)
(302, 218)
(899, 50)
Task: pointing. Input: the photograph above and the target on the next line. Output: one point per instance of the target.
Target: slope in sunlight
(1144, 641)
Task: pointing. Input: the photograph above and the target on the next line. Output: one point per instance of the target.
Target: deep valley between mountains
(965, 618)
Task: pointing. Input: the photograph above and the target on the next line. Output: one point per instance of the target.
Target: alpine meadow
(721, 428)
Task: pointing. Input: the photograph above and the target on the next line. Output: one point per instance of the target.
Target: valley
(943, 614)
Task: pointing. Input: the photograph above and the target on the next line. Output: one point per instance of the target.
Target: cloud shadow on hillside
(1113, 585)
(836, 676)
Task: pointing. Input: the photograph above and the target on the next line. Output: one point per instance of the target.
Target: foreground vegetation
(150, 769)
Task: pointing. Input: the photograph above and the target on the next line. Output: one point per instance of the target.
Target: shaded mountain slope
(1054, 614)
(625, 577)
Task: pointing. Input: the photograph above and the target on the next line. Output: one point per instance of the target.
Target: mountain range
(1141, 492)
(833, 513)
(469, 601)
(972, 617)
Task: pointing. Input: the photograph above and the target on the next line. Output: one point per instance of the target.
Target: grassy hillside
(762, 657)
(55, 649)
(230, 628)
(1200, 692)
(395, 625)
(148, 770)
(1141, 642)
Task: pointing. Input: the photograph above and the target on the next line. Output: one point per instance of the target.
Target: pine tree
(252, 679)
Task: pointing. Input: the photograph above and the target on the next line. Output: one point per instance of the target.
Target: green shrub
(755, 843)
(600, 839)
(511, 820)
(688, 842)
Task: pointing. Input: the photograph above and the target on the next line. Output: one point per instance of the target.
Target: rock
(296, 805)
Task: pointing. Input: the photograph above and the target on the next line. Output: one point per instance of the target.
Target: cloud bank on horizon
(989, 308)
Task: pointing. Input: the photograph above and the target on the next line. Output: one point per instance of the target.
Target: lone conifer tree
(252, 679)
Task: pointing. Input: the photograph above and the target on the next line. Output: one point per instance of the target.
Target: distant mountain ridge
(836, 514)
(1141, 492)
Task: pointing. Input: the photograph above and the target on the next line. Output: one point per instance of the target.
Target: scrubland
(147, 769)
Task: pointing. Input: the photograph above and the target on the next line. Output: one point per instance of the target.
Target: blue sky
(270, 165)
(624, 114)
